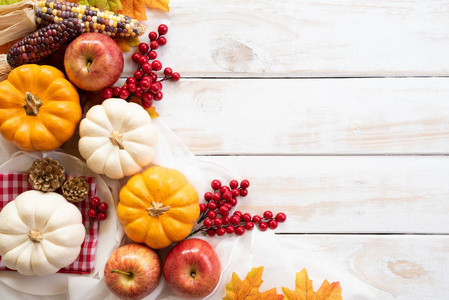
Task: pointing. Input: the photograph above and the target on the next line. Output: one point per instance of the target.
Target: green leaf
(8, 2)
(112, 5)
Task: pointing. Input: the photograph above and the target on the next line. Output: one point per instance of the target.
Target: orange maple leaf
(248, 289)
(161, 4)
(134, 9)
(304, 289)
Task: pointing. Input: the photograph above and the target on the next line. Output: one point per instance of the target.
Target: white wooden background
(337, 111)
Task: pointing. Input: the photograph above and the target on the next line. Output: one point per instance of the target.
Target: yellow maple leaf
(161, 4)
(126, 44)
(134, 9)
(152, 112)
(248, 289)
(304, 289)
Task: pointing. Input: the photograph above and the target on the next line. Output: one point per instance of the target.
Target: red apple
(93, 61)
(192, 269)
(132, 271)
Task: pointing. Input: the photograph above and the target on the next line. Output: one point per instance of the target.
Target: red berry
(220, 231)
(147, 68)
(230, 229)
(131, 80)
(218, 222)
(272, 224)
(246, 217)
(203, 207)
(157, 65)
(132, 87)
(152, 55)
(143, 59)
(124, 94)
(162, 41)
(216, 196)
(92, 213)
(244, 184)
(235, 220)
(103, 206)
(153, 77)
(256, 219)
(240, 230)
(145, 85)
(235, 193)
(220, 203)
(154, 45)
(263, 226)
(212, 205)
(223, 211)
(212, 214)
(94, 201)
(124, 88)
(148, 78)
(228, 205)
(158, 96)
(210, 232)
(238, 213)
(233, 184)
(154, 88)
(226, 220)
(215, 184)
(224, 189)
(207, 223)
(116, 91)
(249, 225)
(101, 216)
(175, 76)
(243, 192)
(135, 57)
(138, 74)
(147, 99)
(162, 29)
(139, 92)
(208, 196)
(232, 201)
(281, 217)
(152, 36)
(168, 72)
(267, 215)
(143, 48)
(107, 93)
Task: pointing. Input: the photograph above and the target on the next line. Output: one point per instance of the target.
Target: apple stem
(121, 272)
(89, 63)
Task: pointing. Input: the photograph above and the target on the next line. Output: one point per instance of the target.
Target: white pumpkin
(40, 233)
(117, 138)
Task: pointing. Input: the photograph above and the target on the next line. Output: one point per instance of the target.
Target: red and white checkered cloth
(11, 185)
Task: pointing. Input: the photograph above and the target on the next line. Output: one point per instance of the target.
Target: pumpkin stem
(157, 209)
(117, 139)
(35, 236)
(32, 104)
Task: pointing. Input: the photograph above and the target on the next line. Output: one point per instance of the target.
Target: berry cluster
(98, 210)
(216, 215)
(145, 84)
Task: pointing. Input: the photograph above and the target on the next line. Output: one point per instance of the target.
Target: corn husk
(17, 20)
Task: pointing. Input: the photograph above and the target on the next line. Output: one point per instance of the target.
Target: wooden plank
(391, 267)
(309, 116)
(304, 37)
(347, 194)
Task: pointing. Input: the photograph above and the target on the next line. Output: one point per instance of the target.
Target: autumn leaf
(248, 289)
(112, 5)
(8, 2)
(304, 289)
(160, 4)
(152, 112)
(126, 44)
(134, 9)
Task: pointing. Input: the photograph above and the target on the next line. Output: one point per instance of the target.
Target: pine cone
(75, 189)
(46, 174)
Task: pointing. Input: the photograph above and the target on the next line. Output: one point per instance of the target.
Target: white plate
(109, 234)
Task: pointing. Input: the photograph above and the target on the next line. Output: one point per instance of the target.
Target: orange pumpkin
(158, 207)
(39, 108)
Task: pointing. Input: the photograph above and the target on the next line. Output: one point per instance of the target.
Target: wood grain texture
(304, 37)
(323, 194)
(392, 267)
(309, 116)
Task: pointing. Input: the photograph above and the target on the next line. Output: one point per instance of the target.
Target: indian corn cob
(94, 19)
(44, 42)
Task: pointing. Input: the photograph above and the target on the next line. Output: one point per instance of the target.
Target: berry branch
(215, 215)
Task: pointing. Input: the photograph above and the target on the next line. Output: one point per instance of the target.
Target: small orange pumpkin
(158, 207)
(39, 108)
